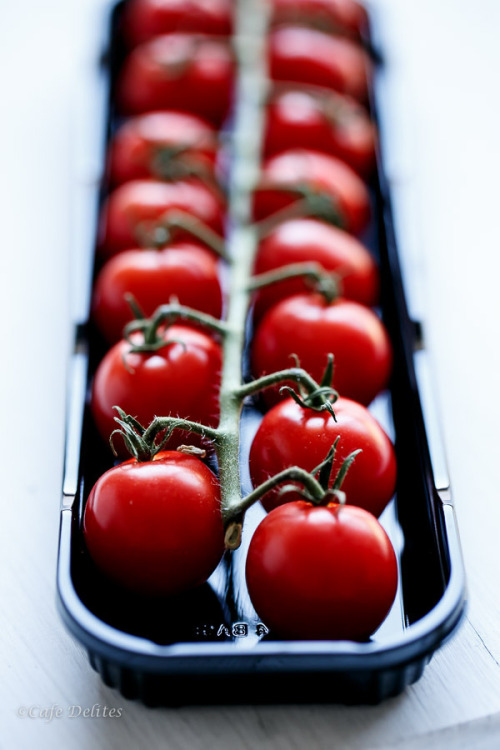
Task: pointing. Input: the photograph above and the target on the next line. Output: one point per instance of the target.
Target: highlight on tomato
(307, 327)
(154, 527)
(133, 211)
(333, 190)
(169, 370)
(306, 55)
(307, 240)
(162, 145)
(189, 72)
(322, 120)
(144, 19)
(292, 435)
(183, 270)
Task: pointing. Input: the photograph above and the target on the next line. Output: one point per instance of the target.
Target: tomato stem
(142, 442)
(290, 474)
(310, 202)
(313, 396)
(169, 424)
(154, 338)
(176, 162)
(324, 282)
(162, 232)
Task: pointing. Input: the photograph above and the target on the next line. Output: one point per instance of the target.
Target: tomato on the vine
(321, 572)
(309, 327)
(133, 209)
(155, 527)
(306, 240)
(179, 379)
(145, 19)
(304, 55)
(342, 192)
(322, 120)
(190, 72)
(162, 145)
(291, 435)
(185, 270)
(335, 16)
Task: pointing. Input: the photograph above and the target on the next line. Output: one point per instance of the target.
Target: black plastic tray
(208, 646)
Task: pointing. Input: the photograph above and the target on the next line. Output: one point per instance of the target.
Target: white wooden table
(444, 64)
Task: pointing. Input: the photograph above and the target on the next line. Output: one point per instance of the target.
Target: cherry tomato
(322, 174)
(303, 240)
(305, 55)
(162, 145)
(185, 270)
(145, 19)
(155, 527)
(341, 16)
(133, 208)
(321, 120)
(307, 326)
(290, 435)
(180, 379)
(323, 573)
(189, 72)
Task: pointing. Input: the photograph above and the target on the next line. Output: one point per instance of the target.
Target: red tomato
(155, 527)
(181, 379)
(311, 328)
(305, 240)
(144, 146)
(179, 71)
(138, 205)
(324, 121)
(344, 16)
(305, 55)
(327, 573)
(145, 19)
(184, 270)
(323, 174)
(290, 435)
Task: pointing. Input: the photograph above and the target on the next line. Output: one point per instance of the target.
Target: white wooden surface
(444, 62)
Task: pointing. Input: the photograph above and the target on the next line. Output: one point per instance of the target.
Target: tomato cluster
(319, 565)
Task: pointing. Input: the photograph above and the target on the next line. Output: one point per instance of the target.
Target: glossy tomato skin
(136, 148)
(323, 174)
(321, 573)
(306, 55)
(311, 328)
(290, 435)
(180, 379)
(140, 204)
(323, 121)
(189, 72)
(155, 527)
(145, 19)
(309, 240)
(185, 270)
(341, 16)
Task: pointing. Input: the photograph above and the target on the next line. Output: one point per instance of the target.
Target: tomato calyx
(312, 395)
(310, 201)
(143, 443)
(176, 162)
(162, 232)
(331, 491)
(316, 485)
(326, 283)
(155, 328)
